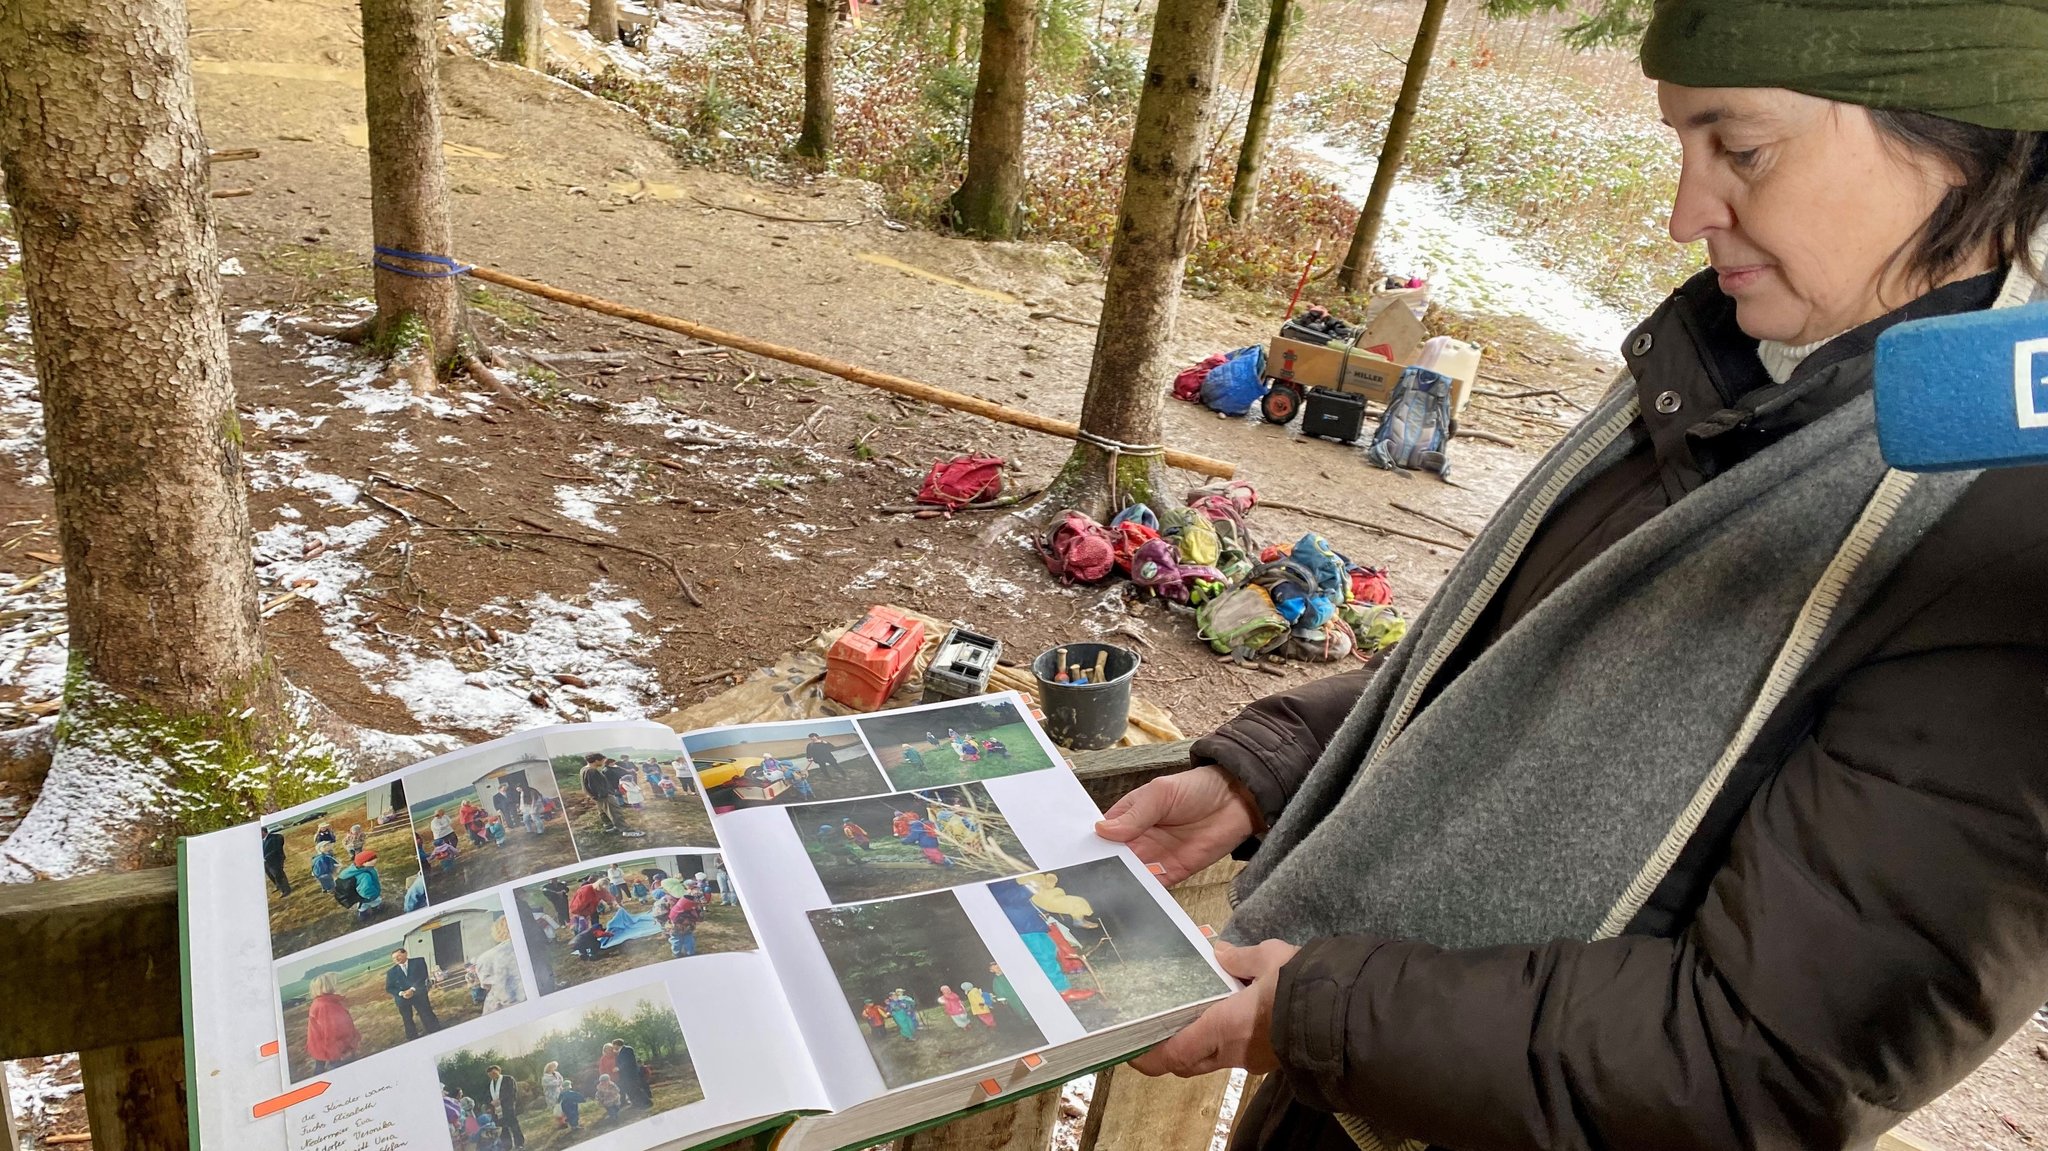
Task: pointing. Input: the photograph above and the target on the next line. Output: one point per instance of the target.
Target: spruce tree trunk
(604, 20)
(1251, 157)
(753, 16)
(521, 41)
(107, 175)
(1155, 225)
(419, 317)
(1359, 257)
(988, 202)
(821, 29)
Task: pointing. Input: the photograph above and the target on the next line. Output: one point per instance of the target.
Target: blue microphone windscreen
(1967, 391)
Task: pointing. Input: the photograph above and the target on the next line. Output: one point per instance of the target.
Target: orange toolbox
(866, 665)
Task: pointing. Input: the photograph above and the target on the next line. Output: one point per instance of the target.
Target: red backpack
(1188, 385)
(962, 480)
(1127, 537)
(1078, 549)
(1370, 585)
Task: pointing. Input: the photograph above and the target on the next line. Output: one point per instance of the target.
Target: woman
(331, 1035)
(1704, 807)
(443, 828)
(498, 970)
(561, 1095)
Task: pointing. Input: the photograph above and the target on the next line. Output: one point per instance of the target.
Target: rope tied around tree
(1117, 449)
(448, 266)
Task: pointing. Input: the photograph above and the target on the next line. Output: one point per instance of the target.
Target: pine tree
(173, 716)
(987, 204)
(821, 29)
(419, 320)
(604, 20)
(1148, 256)
(521, 43)
(1351, 274)
(1251, 156)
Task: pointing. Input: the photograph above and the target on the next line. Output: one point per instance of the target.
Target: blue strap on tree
(448, 267)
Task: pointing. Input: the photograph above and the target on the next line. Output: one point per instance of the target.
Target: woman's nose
(1698, 209)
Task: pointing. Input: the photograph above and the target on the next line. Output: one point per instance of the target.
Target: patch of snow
(284, 420)
(283, 560)
(30, 657)
(95, 787)
(777, 551)
(269, 471)
(232, 267)
(402, 446)
(455, 441)
(872, 576)
(1469, 265)
(580, 504)
(36, 1086)
(21, 425)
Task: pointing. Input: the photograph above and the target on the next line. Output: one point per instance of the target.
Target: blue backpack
(1416, 427)
(1233, 386)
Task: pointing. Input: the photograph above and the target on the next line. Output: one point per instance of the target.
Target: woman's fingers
(1136, 813)
(1193, 1045)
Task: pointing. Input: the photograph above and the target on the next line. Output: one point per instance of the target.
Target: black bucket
(1090, 716)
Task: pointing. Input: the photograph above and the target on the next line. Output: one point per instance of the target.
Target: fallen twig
(990, 505)
(1439, 521)
(225, 155)
(780, 219)
(1383, 529)
(394, 509)
(490, 379)
(395, 482)
(689, 592)
(1064, 319)
(231, 193)
(1485, 436)
(1527, 393)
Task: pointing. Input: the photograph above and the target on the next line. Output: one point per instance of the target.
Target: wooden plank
(75, 946)
(1897, 1140)
(1110, 773)
(1025, 1125)
(135, 1096)
(1133, 1113)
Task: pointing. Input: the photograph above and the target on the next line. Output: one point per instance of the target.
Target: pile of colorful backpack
(1306, 601)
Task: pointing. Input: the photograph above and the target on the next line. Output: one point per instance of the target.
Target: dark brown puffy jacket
(1861, 919)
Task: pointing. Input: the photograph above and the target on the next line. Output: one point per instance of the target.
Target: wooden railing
(91, 965)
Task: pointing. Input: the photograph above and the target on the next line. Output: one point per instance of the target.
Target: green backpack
(1241, 622)
(1378, 627)
(1199, 544)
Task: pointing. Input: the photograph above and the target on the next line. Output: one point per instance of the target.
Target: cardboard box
(1336, 368)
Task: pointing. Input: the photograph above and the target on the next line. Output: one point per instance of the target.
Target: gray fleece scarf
(1547, 789)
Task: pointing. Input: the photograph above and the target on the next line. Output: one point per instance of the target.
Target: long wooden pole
(959, 402)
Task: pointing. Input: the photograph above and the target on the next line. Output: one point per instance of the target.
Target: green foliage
(209, 770)
(652, 1030)
(1600, 24)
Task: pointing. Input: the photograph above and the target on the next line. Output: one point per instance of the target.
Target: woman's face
(1802, 203)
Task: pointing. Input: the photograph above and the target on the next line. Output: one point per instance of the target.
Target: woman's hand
(1183, 822)
(1237, 1032)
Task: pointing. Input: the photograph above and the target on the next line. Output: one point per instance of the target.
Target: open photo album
(614, 937)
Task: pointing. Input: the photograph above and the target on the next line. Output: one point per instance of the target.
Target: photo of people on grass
(346, 865)
(794, 762)
(971, 739)
(628, 913)
(569, 1076)
(483, 820)
(908, 842)
(393, 985)
(927, 994)
(1105, 943)
(617, 795)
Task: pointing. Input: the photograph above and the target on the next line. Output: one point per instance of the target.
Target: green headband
(1981, 63)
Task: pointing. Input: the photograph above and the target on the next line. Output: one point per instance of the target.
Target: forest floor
(764, 485)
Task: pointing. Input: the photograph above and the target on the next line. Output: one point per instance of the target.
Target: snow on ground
(32, 650)
(1470, 265)
(21, 424)
(36, 1086)
(738, 460)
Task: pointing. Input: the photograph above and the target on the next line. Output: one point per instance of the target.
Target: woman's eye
(1744, 158)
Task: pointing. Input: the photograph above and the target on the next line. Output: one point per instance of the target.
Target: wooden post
(1025, 1125)
(135, 1096)
(1133, 1113)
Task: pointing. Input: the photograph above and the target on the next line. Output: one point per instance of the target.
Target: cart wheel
(1281, 404)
